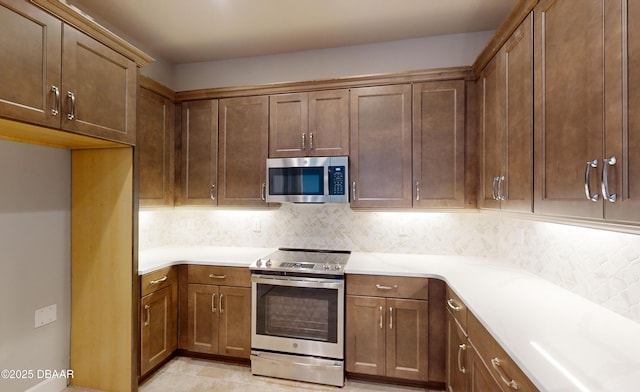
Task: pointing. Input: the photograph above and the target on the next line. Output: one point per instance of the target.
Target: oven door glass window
(284, 181)
(297, 312)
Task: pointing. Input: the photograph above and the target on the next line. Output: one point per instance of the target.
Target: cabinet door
(365, 335)
(481, 379)
(329, 123)
(517, 187)
(457, 357)
(491, 99)
(407, 340)
(438, 144)
(202, 333)
(159, 328)
(244, 133)
(622, 98)
(288, 125)
(30, 40)
(381, 146)
(235, 321)
(104, 86)
(568, 80)
(156, 149)
(199, 153)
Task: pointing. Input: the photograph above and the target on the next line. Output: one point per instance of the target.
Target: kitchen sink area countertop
(562, 341)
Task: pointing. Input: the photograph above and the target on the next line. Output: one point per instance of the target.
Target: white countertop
(562, 341)
(154, 259)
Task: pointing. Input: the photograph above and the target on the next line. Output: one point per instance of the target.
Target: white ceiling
(183, 31)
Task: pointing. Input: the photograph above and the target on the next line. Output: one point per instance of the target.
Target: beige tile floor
(183, 374)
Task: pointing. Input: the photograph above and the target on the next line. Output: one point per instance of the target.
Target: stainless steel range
(297, 315)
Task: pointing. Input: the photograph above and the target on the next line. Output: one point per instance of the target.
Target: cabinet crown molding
(87, 25)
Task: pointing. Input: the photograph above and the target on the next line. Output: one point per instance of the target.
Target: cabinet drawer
(388, 286)
(457, 308)
(157, 280)
(489, 350)
(224, 276)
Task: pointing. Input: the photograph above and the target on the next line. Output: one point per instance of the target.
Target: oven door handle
(298, 281)
(281, 361)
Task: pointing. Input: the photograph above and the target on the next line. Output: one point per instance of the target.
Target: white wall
(35, 259)
(601, 266)
(396, 56)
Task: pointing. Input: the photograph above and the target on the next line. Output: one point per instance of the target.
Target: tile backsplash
(602, 266)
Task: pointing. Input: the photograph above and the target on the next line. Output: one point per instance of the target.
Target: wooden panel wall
(101, 264)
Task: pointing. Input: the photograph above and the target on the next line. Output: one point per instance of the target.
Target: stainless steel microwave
(308, 180)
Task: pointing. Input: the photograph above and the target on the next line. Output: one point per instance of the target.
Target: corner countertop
(562, 341)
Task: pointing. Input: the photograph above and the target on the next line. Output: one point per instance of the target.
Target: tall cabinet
(242, 151)
(438, 144)
(199, 149)
(506, 125)
(381, 146)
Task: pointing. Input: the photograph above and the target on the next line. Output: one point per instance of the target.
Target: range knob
(259, 263)
(268, 263)
(337, 267)
(326, 266)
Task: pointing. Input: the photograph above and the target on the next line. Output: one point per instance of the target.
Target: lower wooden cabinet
(475, 360)
(457, 356)
(385, 335)
(215, 316)
(158, 318)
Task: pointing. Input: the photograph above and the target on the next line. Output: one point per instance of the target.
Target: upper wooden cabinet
(309, 124)
(506, 125)
(381, 146)
(34, 40)
(59, 77)
(622, 118)
(155, 143)
(199, 150)
(569, 97)
(438, 144)
(243, 144)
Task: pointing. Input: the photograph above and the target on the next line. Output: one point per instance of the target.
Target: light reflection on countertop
(562, 341)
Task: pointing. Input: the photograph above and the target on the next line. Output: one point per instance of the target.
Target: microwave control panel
(337, 180)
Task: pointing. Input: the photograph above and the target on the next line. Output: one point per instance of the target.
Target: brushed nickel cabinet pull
(587, 182)
(380, 312)
(56, 102)
(72, 113)
(390, 317)
(493, 188)
(263, 191)
(311, 141)
(220, 303)
(213, 303)
(461, 348)
(212, 192)
(605, 180)
(353, 191)
(212, 276)
(500, 195)
(303, 143)
(148, 320)
(157, 281)
(381, 287)
(417, 190)
(495, 362)
(452, 305)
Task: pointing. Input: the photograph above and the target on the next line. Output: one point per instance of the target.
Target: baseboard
(49, 385)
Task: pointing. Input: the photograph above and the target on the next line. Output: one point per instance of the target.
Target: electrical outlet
(46, 315)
